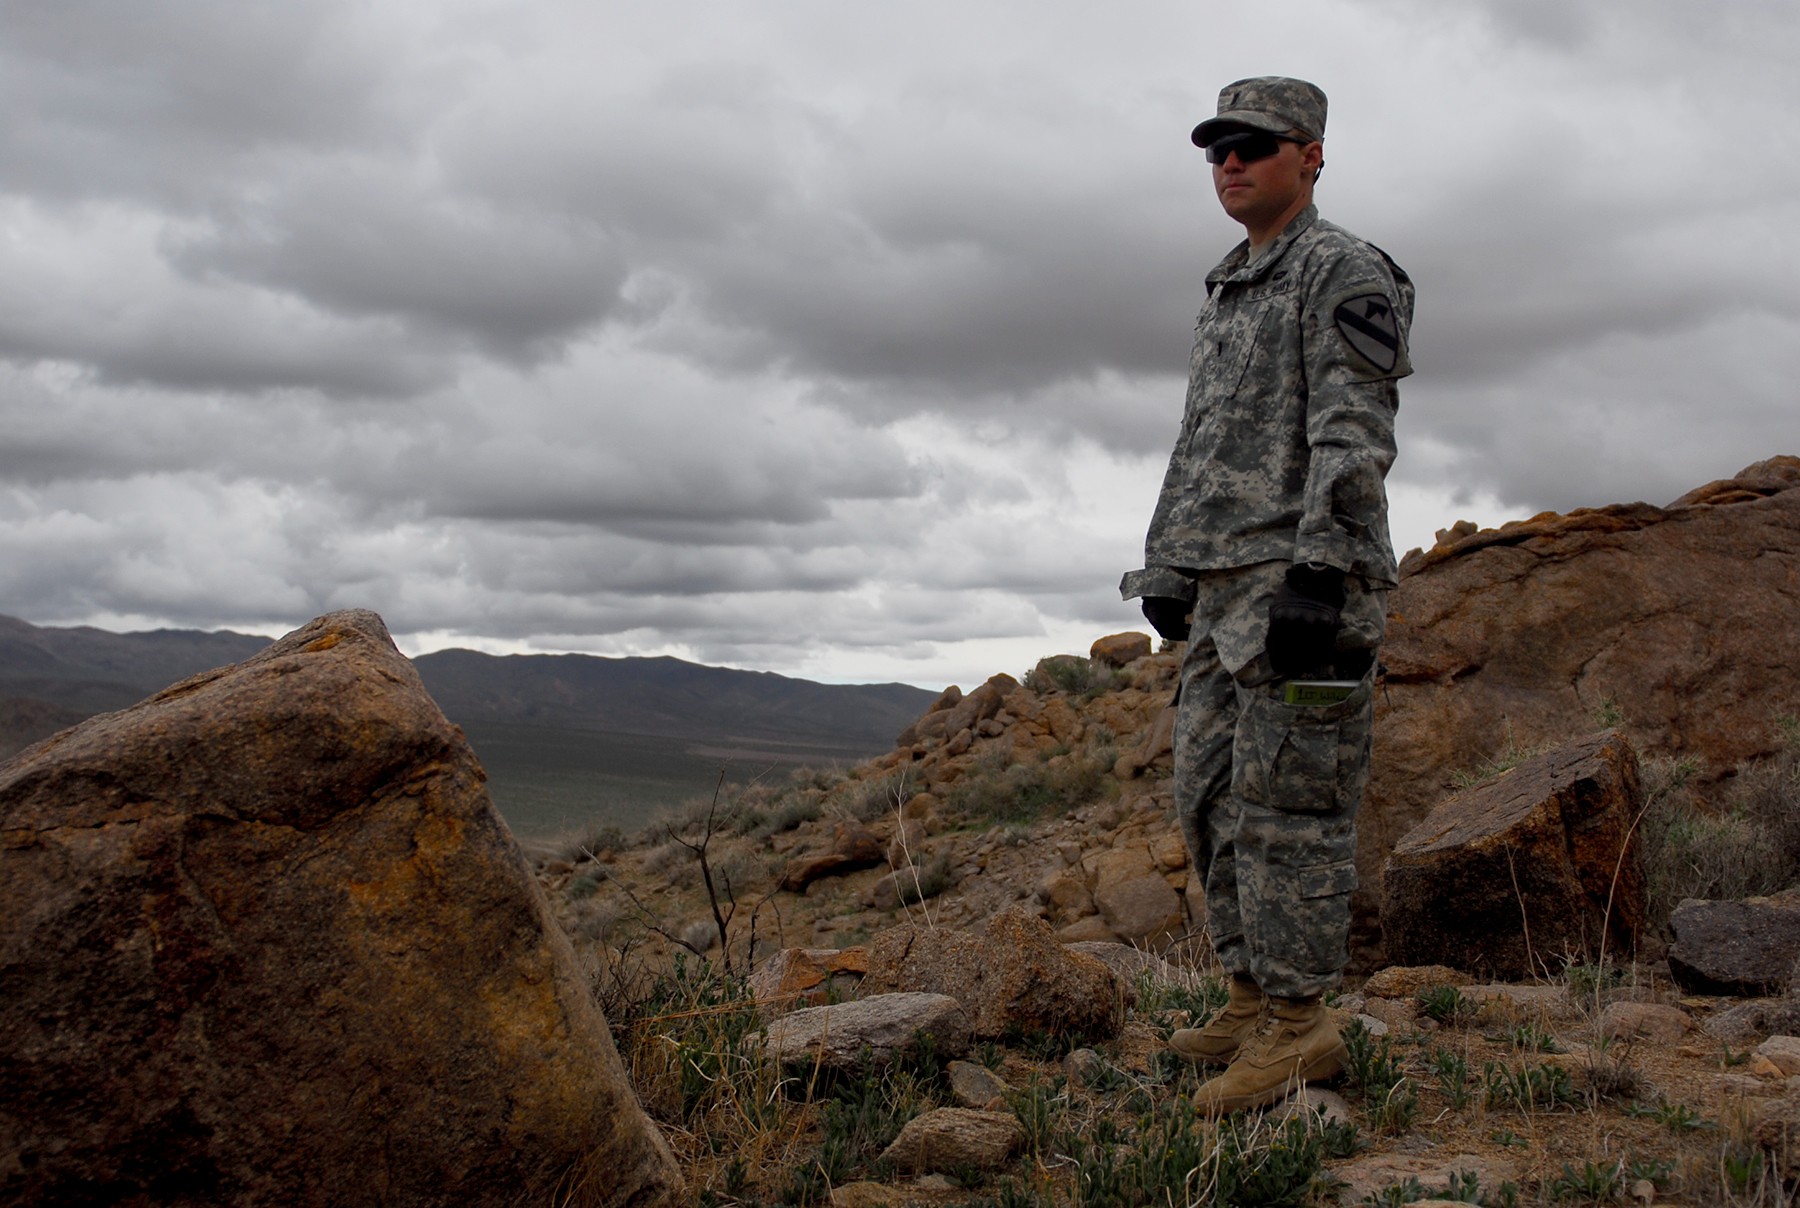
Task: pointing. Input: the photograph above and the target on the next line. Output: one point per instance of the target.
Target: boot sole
(1322, 1068)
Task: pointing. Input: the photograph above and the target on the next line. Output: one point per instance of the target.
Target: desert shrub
(688, 1046)
(1743, 843)
(592, 843)
(872, 796)
(786, 813)
(995, 791)
(667, 858)
(1510, 755)
(1075, 676)
(916, 883)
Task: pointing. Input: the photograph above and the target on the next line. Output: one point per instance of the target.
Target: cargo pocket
(1320, 916)
(1327, 880)
(1300, 759)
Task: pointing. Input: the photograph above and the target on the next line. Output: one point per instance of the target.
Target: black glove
(1168, 616)
(1304, 618)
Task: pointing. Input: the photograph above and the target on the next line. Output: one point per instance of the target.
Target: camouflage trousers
(1267, 792)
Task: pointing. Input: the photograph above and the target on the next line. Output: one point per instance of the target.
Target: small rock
(1750, 1022)
(1083, 1066)
(1328, 1106)
(867, 1195)
(1634, 1020)
(1372, 1026)
(1372, 1175)
(976, 1086)
(883, 1025)
(1408, 981)
(1740, 1086)
(954, 1139)
(1396, 1015)
(1783, 1052)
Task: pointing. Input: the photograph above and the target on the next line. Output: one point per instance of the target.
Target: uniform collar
(1236, 266)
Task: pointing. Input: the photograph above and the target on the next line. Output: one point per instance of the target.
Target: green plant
(1076, 676)
(1537, 1087)
(1657, 1170)
(1608, 714)
(1529, 1038)
(916, 883)
(689, 1043)
(1038, 1107)
(1041, 1045)
(1157, 998)
(1396, 1194)
(1452, 1071)
(994, 790)
(1369, 1067)
(1676, 1117)
(1732, 842)
(1510, 756)
(1506, 1136)
(1741, 1168)
(601, 839)
(1592, 1184)
(990, 1054)
(1446, 1004)
(1585, 979)
(1464, 1187)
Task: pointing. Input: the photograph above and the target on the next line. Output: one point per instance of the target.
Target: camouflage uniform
(1285, 442)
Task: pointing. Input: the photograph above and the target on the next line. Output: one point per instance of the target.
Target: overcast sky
(840, 339)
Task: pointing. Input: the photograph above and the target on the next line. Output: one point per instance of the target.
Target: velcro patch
(1367, 324)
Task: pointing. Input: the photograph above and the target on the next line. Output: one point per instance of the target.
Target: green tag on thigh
(1313, 693)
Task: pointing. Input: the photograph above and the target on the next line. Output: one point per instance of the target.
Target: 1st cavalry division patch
(1367, 324)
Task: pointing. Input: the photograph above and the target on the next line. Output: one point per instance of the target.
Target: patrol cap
(1273, 103)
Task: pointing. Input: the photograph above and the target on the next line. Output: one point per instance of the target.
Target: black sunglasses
(1250, 145)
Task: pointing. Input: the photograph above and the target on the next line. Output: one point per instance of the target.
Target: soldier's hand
(1304, 618)
(1168, 616)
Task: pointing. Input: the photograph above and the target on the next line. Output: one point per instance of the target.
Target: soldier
(1272, 532)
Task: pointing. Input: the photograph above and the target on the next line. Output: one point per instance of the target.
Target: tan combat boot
(1225, 1031)
(1297, 1043)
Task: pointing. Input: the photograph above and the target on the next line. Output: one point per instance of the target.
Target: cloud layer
(838, 340)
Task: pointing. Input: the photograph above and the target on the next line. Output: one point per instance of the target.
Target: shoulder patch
(1367, 324)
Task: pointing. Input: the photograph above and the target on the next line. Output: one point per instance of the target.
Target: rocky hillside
(1055, 791)
(1564, 693)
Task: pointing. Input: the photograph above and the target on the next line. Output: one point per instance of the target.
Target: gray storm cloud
(830, 339)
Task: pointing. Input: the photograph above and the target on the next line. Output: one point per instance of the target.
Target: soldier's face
(1263, 190)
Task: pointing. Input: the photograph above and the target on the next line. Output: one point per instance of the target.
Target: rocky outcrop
(1747, 948)
(853, 846)
(1014, 978)
(1683, 619)
(805, 977)
(1528, 868)
(264, 938)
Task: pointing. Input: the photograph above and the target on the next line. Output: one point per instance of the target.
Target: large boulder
(1014, 978)
(1523, 870)
(1684, 619)
(264, 939)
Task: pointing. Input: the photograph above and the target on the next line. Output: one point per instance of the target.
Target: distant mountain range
(566, 739)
